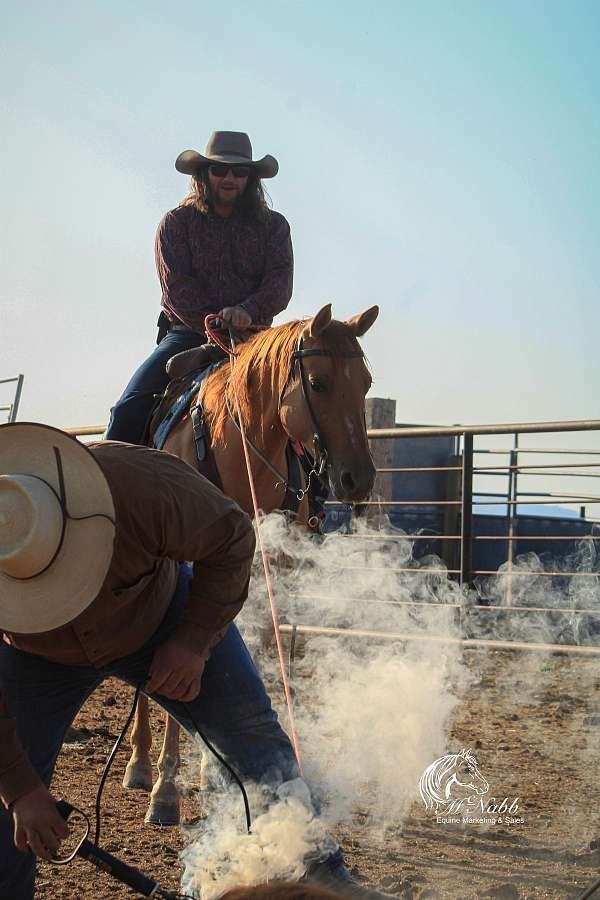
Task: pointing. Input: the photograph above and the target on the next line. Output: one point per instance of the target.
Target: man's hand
(38, 823)
(235, 315)
(175, 672)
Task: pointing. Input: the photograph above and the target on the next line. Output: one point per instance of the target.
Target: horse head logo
(451, 781)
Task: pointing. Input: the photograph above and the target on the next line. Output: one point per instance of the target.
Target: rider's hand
(235, 315)
(175, 672)
(38, 823)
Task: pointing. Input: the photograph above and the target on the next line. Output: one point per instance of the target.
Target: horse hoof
(138, 776)
(161, 812)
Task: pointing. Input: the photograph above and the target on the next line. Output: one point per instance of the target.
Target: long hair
(253, 202)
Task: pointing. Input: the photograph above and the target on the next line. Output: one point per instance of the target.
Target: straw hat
(227, 147)
(57, 528)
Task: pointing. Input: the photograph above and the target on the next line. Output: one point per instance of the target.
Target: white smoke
(556, 608)
(221, 855)
(372, 713)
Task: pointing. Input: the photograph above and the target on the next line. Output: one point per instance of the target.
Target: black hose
(224, 762)
(118, 743)
(109, 762)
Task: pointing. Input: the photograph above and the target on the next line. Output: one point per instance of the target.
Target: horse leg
(164, 799)
(138, 773)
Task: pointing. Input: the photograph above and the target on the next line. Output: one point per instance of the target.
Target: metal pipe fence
(13, 408)
(465, 643)
(468, 498)
(512, 498)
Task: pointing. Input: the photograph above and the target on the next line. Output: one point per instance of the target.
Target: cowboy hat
(57, 528)
(226, 147)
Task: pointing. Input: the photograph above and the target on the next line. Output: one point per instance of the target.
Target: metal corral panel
(417, 453)
(489, 555)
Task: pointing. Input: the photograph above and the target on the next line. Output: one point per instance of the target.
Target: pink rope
(265, 560)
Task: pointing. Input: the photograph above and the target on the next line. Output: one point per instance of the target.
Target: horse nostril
(347, 480)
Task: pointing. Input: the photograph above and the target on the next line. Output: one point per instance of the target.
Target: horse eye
(317, 385)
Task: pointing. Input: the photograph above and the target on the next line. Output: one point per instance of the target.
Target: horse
(306, 382)
(451, 781)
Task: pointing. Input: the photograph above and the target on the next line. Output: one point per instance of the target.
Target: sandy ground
(534, 724)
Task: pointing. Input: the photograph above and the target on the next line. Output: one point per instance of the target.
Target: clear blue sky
(438, 158)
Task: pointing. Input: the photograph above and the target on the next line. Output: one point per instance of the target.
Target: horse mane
(260, 372)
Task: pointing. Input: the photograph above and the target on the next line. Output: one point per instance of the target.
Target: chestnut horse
(305, 381)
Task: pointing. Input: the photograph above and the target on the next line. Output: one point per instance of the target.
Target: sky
(437, 158)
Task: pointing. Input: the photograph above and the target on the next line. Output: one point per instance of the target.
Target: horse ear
(361, 323)
(320, 322)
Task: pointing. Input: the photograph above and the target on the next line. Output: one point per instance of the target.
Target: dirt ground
(534, 724)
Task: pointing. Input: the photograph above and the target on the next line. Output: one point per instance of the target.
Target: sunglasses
(221, 169)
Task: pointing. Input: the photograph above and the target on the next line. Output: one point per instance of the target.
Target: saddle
(171, 406)
(193, 360)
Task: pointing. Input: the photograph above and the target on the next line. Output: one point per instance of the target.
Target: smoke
(221, 855)
(536, 583)
(371, 713)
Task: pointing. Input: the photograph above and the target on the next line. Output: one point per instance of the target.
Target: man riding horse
(221, 251)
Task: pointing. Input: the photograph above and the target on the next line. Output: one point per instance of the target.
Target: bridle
(314, 466)
(297, 359)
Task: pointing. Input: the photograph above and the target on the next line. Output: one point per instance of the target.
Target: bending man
(221, 251)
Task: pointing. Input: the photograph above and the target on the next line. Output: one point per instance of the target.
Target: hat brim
(74, 579)
(190, 161)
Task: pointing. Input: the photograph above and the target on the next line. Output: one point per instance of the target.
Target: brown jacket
(165, 512)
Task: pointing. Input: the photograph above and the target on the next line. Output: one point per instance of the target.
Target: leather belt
(185, 328)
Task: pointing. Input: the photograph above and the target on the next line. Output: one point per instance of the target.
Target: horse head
(323, 404)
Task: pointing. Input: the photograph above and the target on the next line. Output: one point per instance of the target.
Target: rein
(318, 467)
(274, 614)
(299, 493)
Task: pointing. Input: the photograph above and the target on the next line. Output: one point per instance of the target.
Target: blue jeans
(130, 413)
(232, 709)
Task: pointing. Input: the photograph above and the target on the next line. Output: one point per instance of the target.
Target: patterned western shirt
(206, 262)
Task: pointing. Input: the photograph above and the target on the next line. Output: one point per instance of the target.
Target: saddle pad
(179, 407)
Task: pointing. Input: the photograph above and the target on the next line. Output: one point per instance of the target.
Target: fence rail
(466, 643)
(462, 430)
(13, 408)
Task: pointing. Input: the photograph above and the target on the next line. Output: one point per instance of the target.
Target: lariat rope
(231, 351)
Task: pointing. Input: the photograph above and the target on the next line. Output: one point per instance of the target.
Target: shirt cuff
(18, 781)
